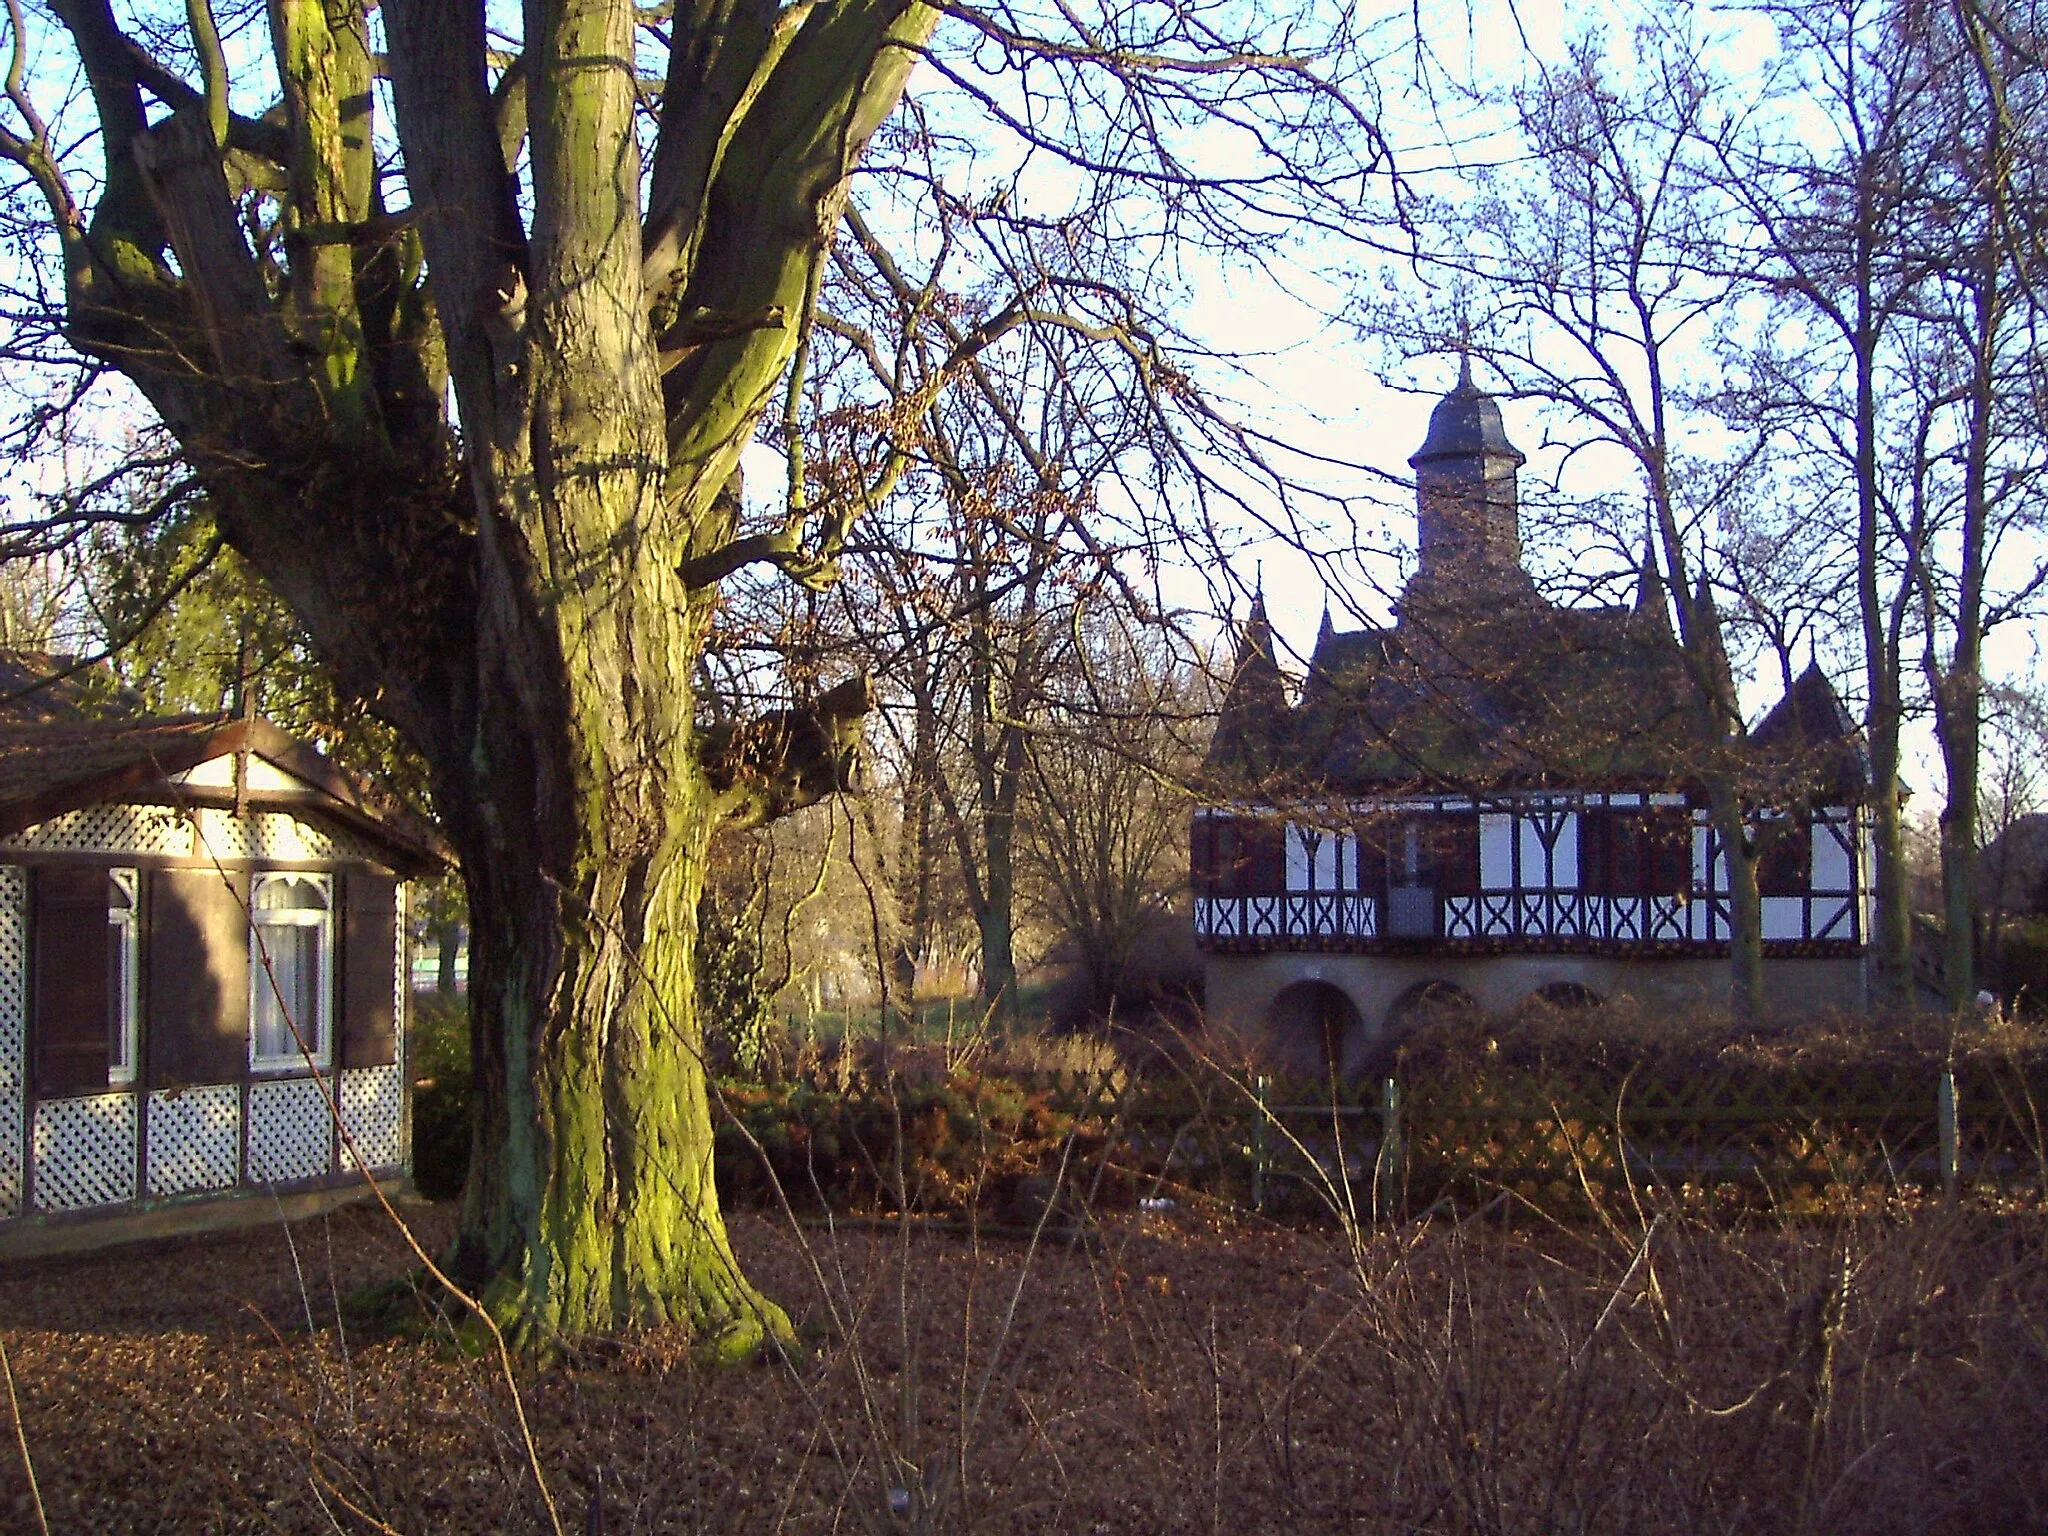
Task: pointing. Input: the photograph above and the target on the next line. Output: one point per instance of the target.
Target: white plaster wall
(1496, 852)
(1833, 869)
(1298, 856)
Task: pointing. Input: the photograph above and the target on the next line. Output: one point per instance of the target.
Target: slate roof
(1519, 693)
(1481, 684)
(1810, 734)
(1466, 424)
(1252, 726)
(1515, 693)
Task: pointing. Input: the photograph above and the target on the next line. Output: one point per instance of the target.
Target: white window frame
(125, 1005)
(260, 986)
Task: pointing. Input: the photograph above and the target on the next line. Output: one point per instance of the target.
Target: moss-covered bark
(592, 1205)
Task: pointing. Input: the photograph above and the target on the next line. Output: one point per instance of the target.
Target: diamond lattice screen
(372, 1110)
(195, 1139)
(156, 830)
(85, 1152)
(290, 1133)
(13, 1032)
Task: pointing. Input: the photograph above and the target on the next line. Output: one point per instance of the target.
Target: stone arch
(1315, 1027)
(1427, 1000)
(1568, 997)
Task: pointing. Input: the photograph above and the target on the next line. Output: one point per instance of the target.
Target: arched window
(291, 971)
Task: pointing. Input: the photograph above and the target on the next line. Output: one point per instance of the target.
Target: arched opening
(1568, 997)
(1426, 1002)
(1315, 1027)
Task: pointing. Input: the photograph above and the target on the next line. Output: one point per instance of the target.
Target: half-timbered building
(203, 980)
(1495, 798)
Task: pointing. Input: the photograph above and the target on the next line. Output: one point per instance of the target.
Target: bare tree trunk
(448, 948)
(591, 1201)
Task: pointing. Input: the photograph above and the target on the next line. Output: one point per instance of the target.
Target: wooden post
(1388, 1183)
(1945, 1112)
(1260, 1111)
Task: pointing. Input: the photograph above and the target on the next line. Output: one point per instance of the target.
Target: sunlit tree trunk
(526, 603)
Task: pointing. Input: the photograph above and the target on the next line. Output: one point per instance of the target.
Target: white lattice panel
(289, 1133)
(274, 835)
(133, 829)
(13, 1032)
(85, 1152)
(372, 1110)
(195, 1139)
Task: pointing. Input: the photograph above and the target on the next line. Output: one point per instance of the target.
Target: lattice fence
(13, 1033)
(291, 1135)
(85, 1152)
(195, 1139)
(373, 1111)
(158, 830)
(1795, 1138)
(1727, 1136)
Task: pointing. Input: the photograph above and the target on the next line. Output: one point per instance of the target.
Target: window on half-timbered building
(1627, 852)
(1784, 865)
(1238, 856)
(1450, 849)
(124, 974)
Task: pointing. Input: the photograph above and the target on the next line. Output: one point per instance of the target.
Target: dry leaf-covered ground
(1171, 1374)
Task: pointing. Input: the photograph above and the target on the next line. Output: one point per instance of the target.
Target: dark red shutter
(1372, 856)
(369, 1019)
(1670, 857)
(70, 980)
(1454, 843)
(197, 964)
(1785, 865)
(1263, 867)
(1602, 836)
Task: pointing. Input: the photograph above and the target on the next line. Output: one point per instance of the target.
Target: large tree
(462, 323)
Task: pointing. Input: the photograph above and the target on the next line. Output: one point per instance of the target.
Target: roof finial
(1464, 352)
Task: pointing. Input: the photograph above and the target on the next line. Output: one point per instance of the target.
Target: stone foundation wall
(1243, 991)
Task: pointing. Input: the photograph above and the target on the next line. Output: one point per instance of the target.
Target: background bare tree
(1112, 765)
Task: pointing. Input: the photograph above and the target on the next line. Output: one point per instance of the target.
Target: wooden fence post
(1260, 1110)
(1387, 1183)
(1945, 1113)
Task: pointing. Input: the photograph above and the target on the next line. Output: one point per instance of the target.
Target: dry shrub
(1499, 1375)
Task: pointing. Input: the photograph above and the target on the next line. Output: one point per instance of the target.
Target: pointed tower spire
(1707, 616)
(1252, 722)
(1652, 603)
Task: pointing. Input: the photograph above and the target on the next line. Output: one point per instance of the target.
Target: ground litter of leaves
(1167, 1372)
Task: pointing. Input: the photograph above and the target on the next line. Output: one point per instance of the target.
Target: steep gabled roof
(49, 767)
(1810, 738)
